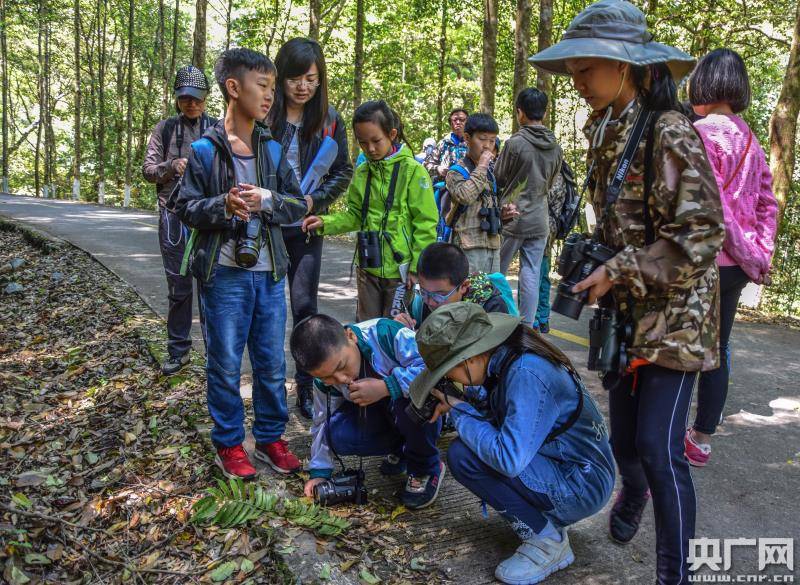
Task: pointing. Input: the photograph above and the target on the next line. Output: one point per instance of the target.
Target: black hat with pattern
(192, 82)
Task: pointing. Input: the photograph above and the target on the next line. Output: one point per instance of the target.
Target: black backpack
(563, 201)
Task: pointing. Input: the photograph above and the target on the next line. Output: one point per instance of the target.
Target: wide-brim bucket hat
(454, 333)
(611, 29)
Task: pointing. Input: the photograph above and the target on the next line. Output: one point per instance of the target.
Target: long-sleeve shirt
(471, 193)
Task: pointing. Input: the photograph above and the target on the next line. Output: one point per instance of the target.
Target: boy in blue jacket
(236, 192)
(362, 373)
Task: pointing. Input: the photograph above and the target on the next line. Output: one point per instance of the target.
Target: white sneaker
(536, 559)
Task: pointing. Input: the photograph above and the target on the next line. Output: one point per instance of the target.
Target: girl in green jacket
(390, 204)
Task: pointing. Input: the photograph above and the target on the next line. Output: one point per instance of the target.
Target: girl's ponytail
(656, 85)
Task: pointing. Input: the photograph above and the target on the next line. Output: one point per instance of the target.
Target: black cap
(191, 81)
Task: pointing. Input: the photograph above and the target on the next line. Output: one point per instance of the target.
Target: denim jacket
(391, 350)
(576, 469)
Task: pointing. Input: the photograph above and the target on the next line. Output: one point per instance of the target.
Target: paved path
(749, 490)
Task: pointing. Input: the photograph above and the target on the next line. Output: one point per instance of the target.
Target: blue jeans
(508, 495)
(245, 307)
(543, 308)
(383, 428)
(531, 251)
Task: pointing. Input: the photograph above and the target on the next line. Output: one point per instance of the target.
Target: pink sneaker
(697, 454)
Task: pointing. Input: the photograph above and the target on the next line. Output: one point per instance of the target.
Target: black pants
(648, 424)
(172, 238)
(712, 390)
(305, 261)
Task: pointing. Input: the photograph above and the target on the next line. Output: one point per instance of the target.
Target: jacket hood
(538, 136)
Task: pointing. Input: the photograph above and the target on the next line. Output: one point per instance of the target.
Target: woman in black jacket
(314, 140)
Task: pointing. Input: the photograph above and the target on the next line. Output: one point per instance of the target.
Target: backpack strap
(166, 135)
(460, 208)
(275, 153)
(204, 149)
(511, 356)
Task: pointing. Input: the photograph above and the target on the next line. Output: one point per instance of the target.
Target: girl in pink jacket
(719, 89)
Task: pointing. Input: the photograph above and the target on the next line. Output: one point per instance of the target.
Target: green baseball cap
(611, 29)
(452, 334)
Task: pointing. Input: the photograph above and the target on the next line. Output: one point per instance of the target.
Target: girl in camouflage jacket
(663, 276)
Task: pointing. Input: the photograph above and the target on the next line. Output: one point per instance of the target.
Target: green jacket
(411, 223)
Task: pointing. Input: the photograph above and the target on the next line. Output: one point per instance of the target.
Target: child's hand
(308, 489)
(508, 212)
(252, 194)
(406, 320)
(235, 205)
(368, 391)
(443, 407)
(487, 156)
(312, 222)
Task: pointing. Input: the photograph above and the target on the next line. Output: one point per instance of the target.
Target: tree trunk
(199, 47)
(522, 46)
(358, 67)
(102, 23)
(783, 125)
(129, 115)
(119, 111)
(489, 74)
(161, 35)
(49, 135)
(544, 81)
(228, 13)
(442, 58)
(174, 54)
(314, 9)
(37, 178)
(4, 81)
(76, 164)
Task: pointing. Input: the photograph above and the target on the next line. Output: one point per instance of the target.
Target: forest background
(84, 81)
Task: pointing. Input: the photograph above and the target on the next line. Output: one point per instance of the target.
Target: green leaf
(224, 571)
(247, 565)
(91, 458)
(22, 501)
(419, 564)
(18, 577)
(368, 578)
(36, 559)
(325, 572)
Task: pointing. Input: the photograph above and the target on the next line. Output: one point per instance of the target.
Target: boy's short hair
(234, 63)
(532, 102)
(314, 339)
(481, 123)
(443, 261)
(720, 77)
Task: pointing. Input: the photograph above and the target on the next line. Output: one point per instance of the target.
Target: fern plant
(235, 502)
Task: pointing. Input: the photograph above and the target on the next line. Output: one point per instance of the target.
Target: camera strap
(389, 197)
(624, 163)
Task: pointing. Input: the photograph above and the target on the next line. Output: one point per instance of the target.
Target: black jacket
(200, 201)
(341, 171)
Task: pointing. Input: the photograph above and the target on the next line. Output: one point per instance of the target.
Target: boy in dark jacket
(525, 170)
(236, 192)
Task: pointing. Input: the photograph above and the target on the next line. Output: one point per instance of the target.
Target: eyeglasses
(295, 83)
(438, 298)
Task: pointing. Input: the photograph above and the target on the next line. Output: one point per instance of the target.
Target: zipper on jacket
(213, 256)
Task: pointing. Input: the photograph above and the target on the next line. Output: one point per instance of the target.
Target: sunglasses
(438, 297)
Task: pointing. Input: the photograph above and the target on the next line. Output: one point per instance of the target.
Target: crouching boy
(362, 373)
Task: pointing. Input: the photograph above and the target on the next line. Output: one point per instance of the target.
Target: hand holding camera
(252, 196)
(598, 284)
(446, 403)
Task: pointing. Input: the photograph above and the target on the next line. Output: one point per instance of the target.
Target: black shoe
(304, 402)
(626, 514)
(421, 491)
(174, 364)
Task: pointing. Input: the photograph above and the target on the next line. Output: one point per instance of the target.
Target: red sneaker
(234, 462)
(697, 454)
(278, 456)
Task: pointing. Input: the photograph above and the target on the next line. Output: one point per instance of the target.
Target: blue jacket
(576, 469)
(391, 349)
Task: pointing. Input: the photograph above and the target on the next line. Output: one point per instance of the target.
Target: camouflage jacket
(673, 282)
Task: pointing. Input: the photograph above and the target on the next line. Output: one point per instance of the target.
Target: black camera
(608, 335)
(490, 220)
(369, 249)
(579, 257)
(346, 487)
(248, 241)
(421, 416)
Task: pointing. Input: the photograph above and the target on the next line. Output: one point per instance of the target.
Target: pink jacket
(749, 205)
